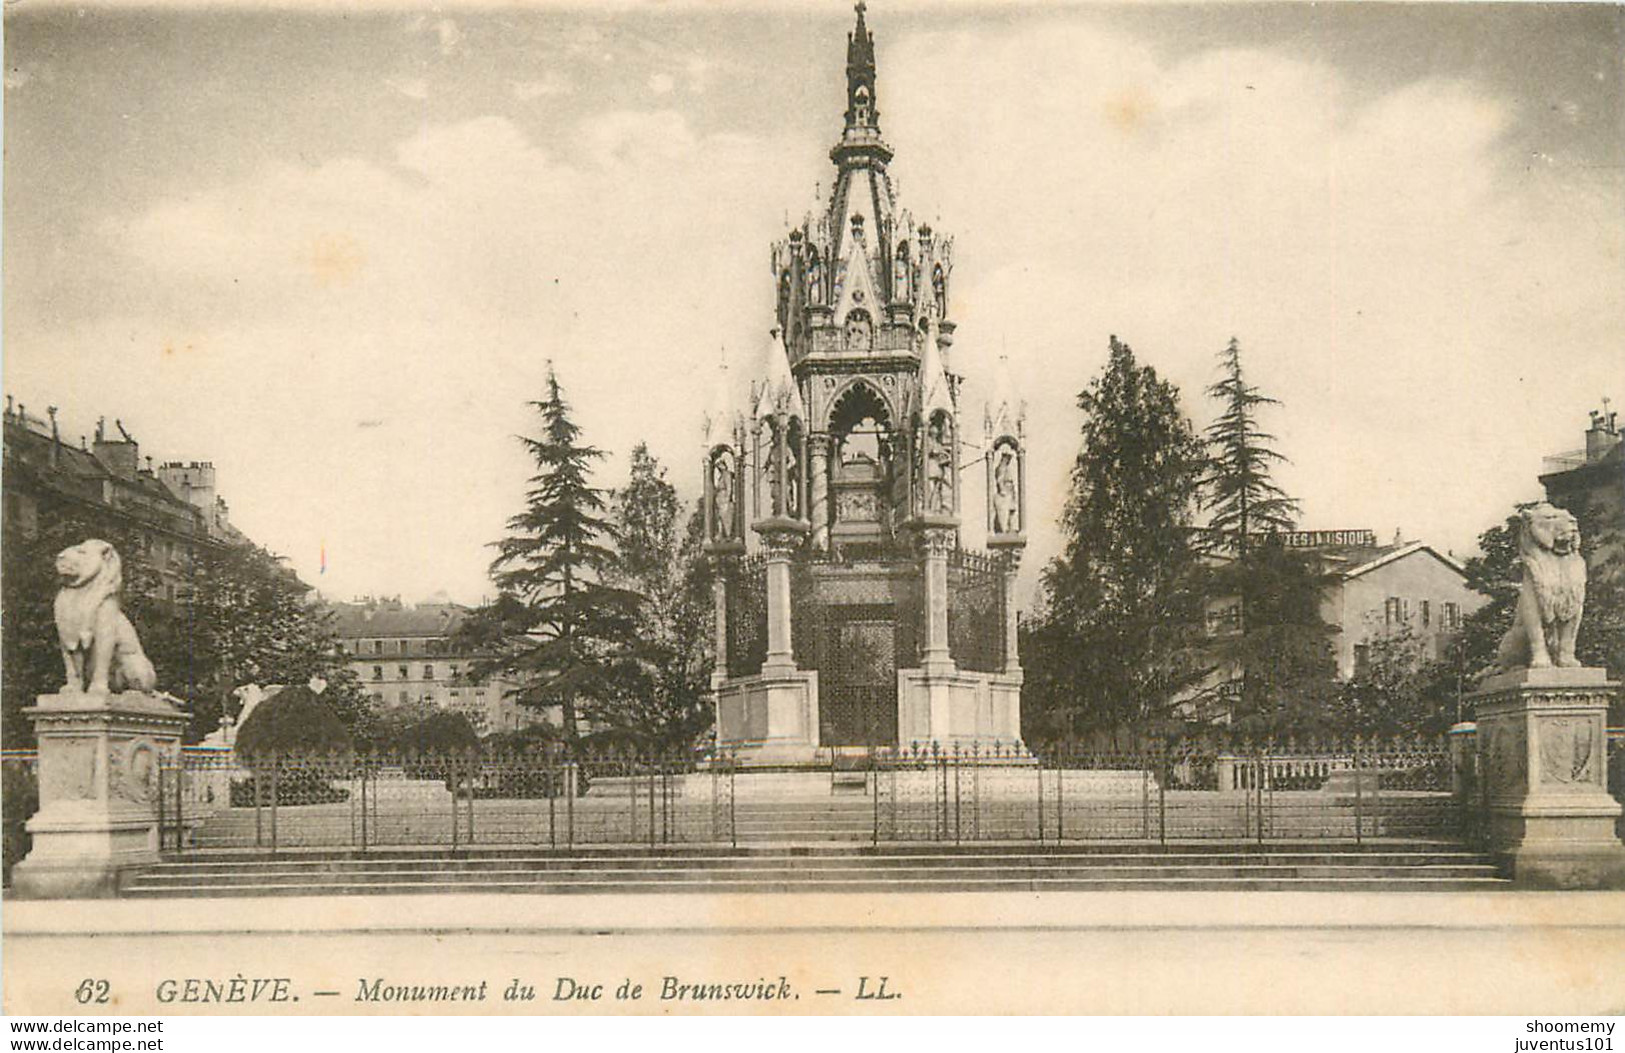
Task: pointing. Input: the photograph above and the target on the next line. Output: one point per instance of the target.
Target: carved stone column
(719, 601)
(818, 451)
(1012, 636)
(1543, 754)
(936, 543)
(100, 756)
(779, 542)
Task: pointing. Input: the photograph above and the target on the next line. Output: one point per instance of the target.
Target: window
(403, 644)
(454, 671)
(377, 696)
(1362, 659)
(454, 693)
(1393, 611)
(377, 672)
(404, 673)
(378, 647)
(1451, 615)
(1427, 614)
(405, 697)
(428, 672)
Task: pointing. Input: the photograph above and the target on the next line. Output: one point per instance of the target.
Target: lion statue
(97, 640)
(1552, 596)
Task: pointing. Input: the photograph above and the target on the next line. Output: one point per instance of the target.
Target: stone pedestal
(1542, 747)
(99, 762)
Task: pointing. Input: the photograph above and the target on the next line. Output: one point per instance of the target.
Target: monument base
(770, 719)
(100, 758)
(1542, 751)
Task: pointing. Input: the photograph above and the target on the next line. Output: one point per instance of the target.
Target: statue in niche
(939, 466)
(1006, 490)
(722, 496)
(815, 278)
(901, 291)
(792, 478)
(939, 290)
(857, 331)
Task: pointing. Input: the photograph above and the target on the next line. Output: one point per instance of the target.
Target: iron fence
(745, 582)
(1066, 792)
(1061, 792)
(454, 799)
(976, 611)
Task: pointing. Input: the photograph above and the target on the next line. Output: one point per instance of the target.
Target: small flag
(324, 559)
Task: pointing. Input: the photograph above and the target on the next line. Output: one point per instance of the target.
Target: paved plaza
(1507, 953)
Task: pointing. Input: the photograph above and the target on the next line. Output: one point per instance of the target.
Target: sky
(334, 251)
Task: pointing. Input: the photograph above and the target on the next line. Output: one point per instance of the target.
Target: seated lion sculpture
(97, 640)
(1553, 593)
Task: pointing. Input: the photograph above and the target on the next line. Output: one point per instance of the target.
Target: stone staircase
(982, 867)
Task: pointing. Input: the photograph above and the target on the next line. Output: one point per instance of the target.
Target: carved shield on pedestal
(1567, 746)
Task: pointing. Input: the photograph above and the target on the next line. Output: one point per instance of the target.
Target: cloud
(1389, 264)
(424, 294)
(447, 34)
(554, 82)
(411, 87)
(1434, 312)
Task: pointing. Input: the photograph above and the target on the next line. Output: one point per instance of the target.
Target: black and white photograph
(811, 508)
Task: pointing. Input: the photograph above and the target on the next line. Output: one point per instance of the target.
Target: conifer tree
(1244, 498)
(558, 625)
(1279, 652)
(1116, 641)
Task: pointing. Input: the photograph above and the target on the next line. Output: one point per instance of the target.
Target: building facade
(1379, 592)
(1592, 480)
(848, 613)
(404, 654)
(1405, 591)
(173, 509)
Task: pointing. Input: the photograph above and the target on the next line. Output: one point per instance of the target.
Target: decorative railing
(976, 611)
(746, 583)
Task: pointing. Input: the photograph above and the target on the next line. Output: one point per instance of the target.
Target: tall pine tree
(1117, 640)
(1244, 498)
(558, 626)
(1279, 655)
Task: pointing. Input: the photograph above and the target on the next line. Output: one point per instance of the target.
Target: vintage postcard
(814, 508)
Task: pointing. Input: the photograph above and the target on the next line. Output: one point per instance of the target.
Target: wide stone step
(810, 864)
(711, 884)
(814, 875)
(826, 868)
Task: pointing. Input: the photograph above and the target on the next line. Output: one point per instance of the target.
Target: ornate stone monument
(103, 741)
(850, 613)
(1542, 726)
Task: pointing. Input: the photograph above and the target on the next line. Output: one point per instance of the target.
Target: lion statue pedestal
(101, 752)
(100, 763)
(1542, 727)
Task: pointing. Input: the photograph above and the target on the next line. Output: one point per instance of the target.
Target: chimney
(1603, 435)
(56, 438)
(122, 456)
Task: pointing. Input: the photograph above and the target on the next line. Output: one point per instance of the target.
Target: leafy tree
(239, 617)
(1244, 498)
(1116, 640)
(558, 626)
(296, 719)
(1399, 691)
(666, 692)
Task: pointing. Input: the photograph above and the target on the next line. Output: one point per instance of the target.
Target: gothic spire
(861, 108)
